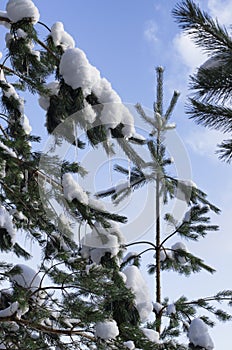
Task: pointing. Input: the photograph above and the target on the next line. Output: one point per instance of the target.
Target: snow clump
(171, 309)
(129, 344)
(199, 336)
(181, 247)
(77, 72)
(101, 241)
(107, 330)
(72, 190)
(8, 150)
(60, 37)
(9, 311)
(7, 224)
(19, 9)
(25, 277)
(140, 289)
(10, 92)
(44, 100)
(151, 335)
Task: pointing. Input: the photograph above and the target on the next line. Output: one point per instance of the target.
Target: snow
(140, 289)
(104, 91)
(100, 241)
(123, 276)
(2, 169)
(44, 100)
(18, 215)
(198, 334)
(11, 310)
(60, 37)
(163, 255)
(36, 53)
(171, 309)
(129, 344)
(184, 189)
(9, 92)
(89, 113)
(19, 9)
(157, 307)
(129, 256)
(72, 190)
(107, 330)
(6, 223)
(180, 246)
(97, 204)
(8, 150)
(77, 72)
(26, 277)
(187, 216)
(151, 335)
(24, 121)
(21, 33)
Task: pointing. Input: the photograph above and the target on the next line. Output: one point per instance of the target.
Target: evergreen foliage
(79, 286)
(210, 104)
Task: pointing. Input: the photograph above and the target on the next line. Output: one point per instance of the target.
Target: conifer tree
(82, 294)
(211, 85)
(172, 319)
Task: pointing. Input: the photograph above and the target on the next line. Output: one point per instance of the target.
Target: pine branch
(45, 329)
(205, 31)
(211, 116)
(172, 105)
(225, 151)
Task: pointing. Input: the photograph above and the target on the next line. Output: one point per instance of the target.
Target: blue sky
(126, 40)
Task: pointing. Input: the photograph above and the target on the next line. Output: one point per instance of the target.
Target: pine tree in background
(212, 83)
(172, 319)
(83, 294)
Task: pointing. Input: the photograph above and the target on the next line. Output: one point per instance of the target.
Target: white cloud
(204, 142)
(150, 32)
(222, 10)
(188, 52)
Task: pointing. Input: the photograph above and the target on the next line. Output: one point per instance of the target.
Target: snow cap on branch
(129, 344)
(77, 72)
(101, 241)
(25, 277)
(7, 224)
(60, 37)
(140, 289)
(72, 190)
(151, 335)
(181, 247)
(107, 330)
(199, 336)
(19, 9)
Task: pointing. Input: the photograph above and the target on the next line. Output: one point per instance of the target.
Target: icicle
(25, 189)
(110, 170)
(129, 171)
(79, 235)
(76, 145)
